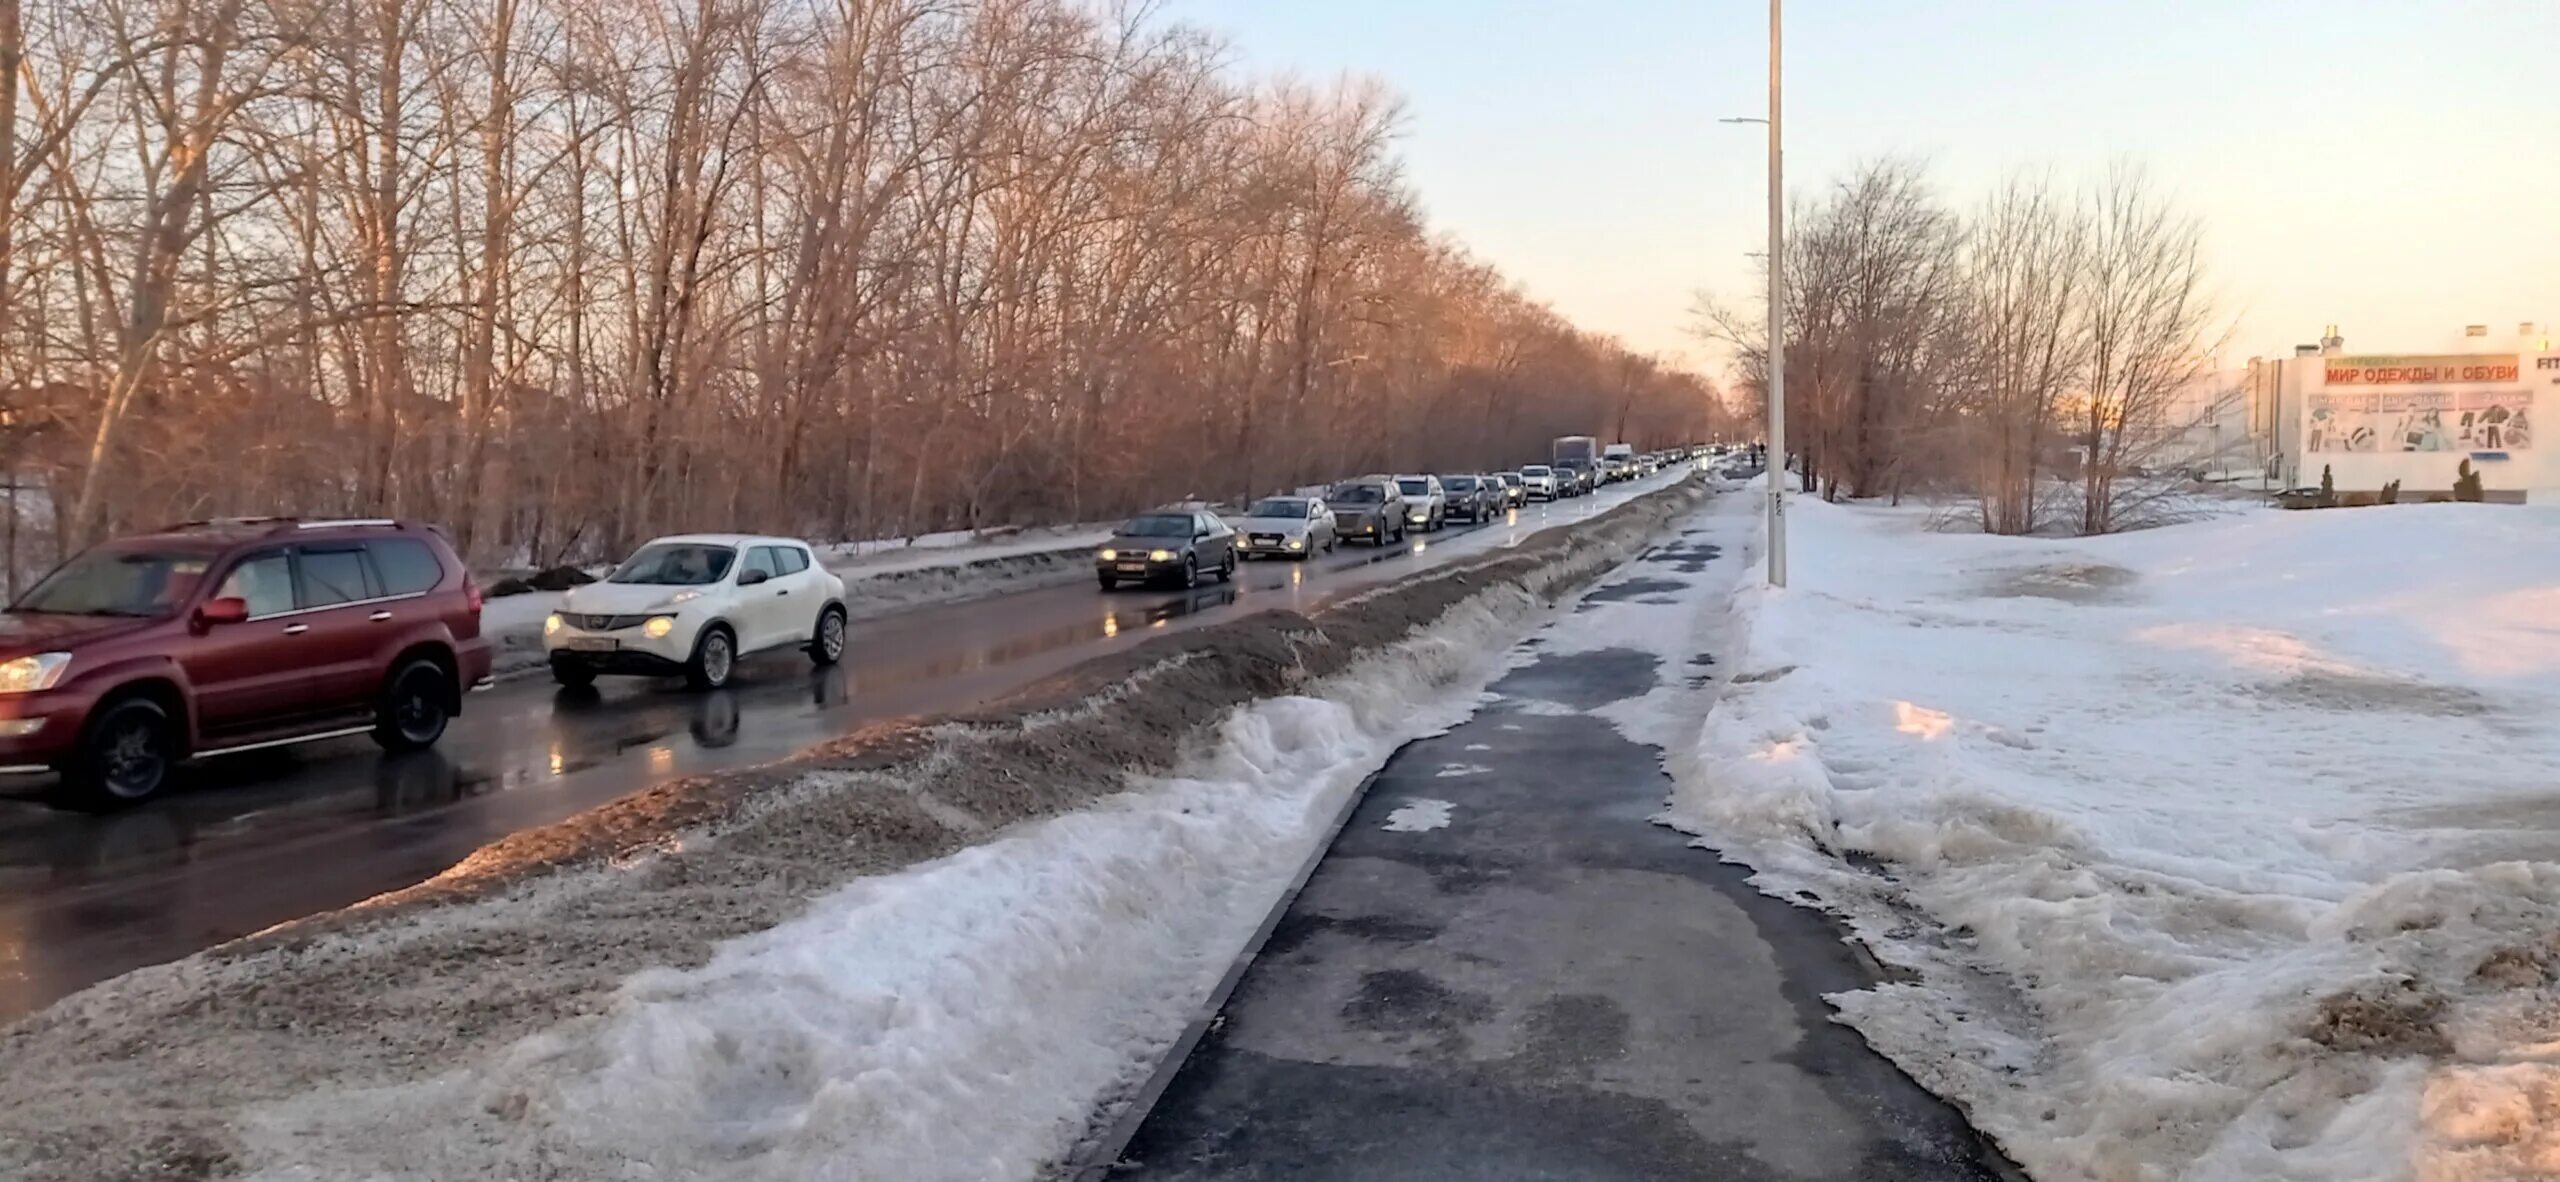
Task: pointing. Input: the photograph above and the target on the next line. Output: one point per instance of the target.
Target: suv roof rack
(277, 525)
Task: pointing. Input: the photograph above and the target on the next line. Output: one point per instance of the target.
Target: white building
(2370, 419)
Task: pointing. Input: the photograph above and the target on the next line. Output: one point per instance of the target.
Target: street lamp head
(1742, 119)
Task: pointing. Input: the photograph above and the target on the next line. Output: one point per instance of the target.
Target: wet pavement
(259, 839)
(1503, 970)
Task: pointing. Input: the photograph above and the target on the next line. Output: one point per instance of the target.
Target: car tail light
(471, 594)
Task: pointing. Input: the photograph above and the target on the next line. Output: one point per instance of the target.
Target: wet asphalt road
(259, 839)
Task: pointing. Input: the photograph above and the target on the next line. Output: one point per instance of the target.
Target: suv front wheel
(715, 656)
(125, 756)
(417, 704)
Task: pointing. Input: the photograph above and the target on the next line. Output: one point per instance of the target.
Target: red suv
(221, 636)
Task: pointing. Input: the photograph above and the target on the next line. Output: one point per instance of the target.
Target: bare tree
(566, 272)
(2145, 317)
(2026, 267)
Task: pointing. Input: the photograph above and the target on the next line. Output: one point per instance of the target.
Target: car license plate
(593, 644)
(1133, 568)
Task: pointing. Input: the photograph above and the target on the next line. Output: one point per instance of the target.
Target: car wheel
(715, 656)
(827, 647)
(1227, 569)
(1190, 571)
(574, 674)
(1109, 583)
(124, 757)
(417, 704)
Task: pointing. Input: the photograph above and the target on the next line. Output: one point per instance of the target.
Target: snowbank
(876, 1035)
(2221, 851)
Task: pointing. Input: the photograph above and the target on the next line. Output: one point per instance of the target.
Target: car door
(804, 597)
(340, 599)
(761, 607)
(256, 673)
(1212, 540)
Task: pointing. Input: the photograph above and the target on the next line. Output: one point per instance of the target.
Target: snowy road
(264, 839)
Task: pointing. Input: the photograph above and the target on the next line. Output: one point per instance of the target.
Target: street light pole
(1776, 436)
(1777, 320)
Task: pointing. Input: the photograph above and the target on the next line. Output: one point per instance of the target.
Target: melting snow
(1418, 815)
(2224, 851)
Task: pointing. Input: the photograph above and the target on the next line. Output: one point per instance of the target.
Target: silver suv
(1370, 509)
(1426, 504)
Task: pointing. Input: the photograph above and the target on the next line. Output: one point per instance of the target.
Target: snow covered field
(2224, 851)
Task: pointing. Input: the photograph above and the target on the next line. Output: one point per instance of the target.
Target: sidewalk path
(1503, 970)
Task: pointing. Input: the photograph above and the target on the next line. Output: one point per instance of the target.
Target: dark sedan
(1175, 545)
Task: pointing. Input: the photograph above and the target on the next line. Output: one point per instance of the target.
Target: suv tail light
(471, 594)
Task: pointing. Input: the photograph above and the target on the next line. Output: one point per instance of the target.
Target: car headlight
(1108, 555)
(551, 624)
(683, 597)
(29, 674)
(1297, 543)
(1160, 555)
(658, 627)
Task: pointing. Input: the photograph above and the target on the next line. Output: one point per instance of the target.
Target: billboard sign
(2454, 369)
(2474, 420)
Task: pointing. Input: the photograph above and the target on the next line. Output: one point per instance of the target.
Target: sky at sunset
(2391, 167)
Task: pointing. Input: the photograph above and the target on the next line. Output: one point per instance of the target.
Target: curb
(1096, 1159)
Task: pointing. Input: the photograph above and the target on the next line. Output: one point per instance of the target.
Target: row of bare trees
(2040, 356)
(564, 273)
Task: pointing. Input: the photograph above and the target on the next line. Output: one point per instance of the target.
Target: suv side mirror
(230, 609)
(749, 578)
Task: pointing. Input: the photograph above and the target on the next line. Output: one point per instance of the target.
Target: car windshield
(1157, 525)
(1414, 486)
(118, 582)
(676, 564)
(1537, 470)
(1509, 478)
(1278, 507)
(1355, 494)
(1459, 483)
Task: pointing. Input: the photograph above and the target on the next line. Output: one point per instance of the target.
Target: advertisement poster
(2421, 421)
(2462, 368)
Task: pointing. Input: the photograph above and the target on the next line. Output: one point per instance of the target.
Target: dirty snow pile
(961, 1019)
(2219, 851)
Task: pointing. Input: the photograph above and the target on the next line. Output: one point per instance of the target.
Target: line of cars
(1184, 543)
(234, 634)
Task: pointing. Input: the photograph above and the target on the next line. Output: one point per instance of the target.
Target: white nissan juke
(693, 605)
